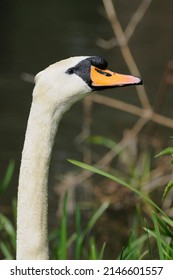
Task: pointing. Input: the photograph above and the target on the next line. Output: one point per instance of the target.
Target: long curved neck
(32, 235)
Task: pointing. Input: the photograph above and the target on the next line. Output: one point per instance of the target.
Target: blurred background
(35, 34)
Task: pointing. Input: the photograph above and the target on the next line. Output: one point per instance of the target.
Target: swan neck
(32, 232)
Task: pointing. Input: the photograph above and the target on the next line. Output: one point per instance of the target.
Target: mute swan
(57, 88)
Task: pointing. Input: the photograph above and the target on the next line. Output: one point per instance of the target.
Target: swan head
(71, 79)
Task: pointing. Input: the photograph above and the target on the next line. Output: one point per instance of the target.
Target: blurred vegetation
(149, 235)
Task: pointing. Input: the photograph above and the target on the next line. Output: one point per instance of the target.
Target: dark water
(35, 34)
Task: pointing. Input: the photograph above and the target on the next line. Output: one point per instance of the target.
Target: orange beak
(106, 78)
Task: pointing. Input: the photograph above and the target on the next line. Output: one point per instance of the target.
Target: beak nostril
(103, 72)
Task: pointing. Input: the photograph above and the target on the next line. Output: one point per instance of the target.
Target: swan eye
(70, 71)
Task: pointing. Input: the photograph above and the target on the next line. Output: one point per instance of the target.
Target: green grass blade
(132, 247)
(82, 234)
(6, 225)
(164, 243)
(6, 251)
(63, 232)
(93, 249)
(167, 151)
(14, 209)
(158, 237)
(104, 141)
(167, 189)
(94, 253)
(7, 178)
(102, 251)
(79, 234)
(96, 216)
(165, 227)
(150, 253)
(168, 220)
